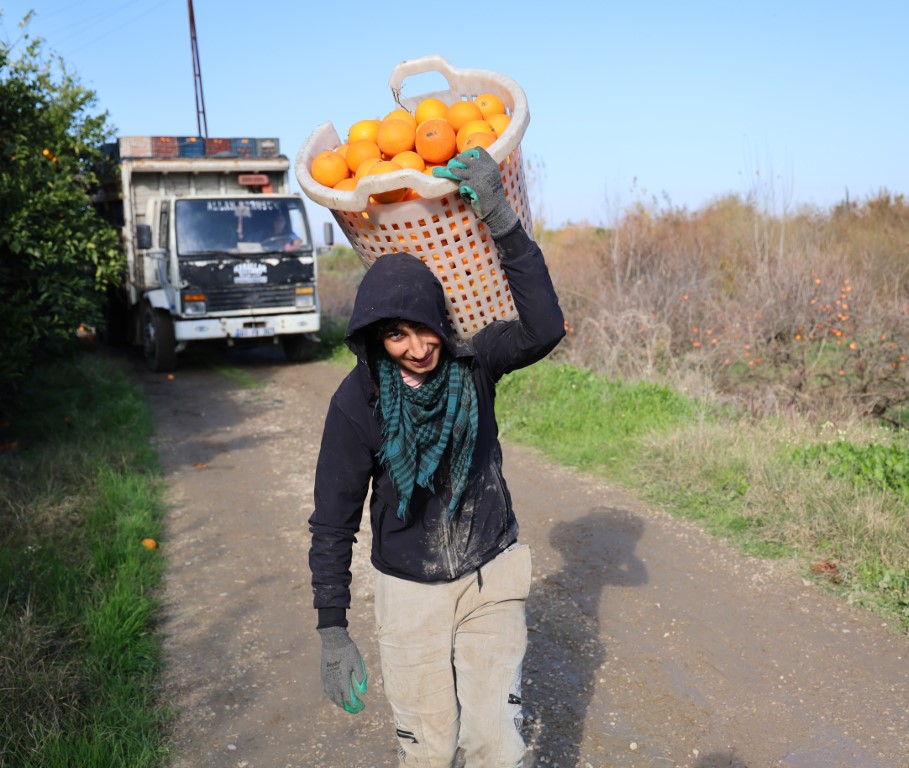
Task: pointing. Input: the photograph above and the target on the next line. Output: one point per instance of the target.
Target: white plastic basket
(438, 227)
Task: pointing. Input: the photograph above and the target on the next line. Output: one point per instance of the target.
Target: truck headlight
(305, 297)
(194, 304)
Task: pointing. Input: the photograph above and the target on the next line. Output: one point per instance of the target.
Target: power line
(79, 25)
(109, 32)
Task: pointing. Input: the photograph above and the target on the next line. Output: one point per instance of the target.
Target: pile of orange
(431, 136)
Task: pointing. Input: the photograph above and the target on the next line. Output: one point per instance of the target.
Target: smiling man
(415, 421)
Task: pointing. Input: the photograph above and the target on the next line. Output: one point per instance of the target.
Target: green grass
(763, 485)
(582, 419)
(79, 490)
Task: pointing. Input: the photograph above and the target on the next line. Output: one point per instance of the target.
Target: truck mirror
(143, 236)
(328, 234)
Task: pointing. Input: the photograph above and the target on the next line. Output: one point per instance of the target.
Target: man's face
(413, 346)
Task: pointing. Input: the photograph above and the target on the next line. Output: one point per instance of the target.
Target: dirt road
(651, 645)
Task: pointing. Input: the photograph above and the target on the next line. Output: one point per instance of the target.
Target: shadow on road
(564, 651)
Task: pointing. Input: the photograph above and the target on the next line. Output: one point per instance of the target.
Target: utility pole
(201, 122)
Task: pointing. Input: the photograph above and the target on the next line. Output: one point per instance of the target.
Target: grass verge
(79, 491)
(833, 496)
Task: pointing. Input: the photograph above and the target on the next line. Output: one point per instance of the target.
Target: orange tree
(57, 255)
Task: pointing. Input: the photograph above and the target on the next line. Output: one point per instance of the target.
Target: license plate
(250, 333)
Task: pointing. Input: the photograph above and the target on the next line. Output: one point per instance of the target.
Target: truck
(217, 248)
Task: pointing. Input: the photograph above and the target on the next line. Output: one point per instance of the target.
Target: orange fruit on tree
(483, 139)
(401, 114)
(395, 135)
(346, 185)
(490, 104)
(499, 123)
(393, 195)
(360, 150)
(436, 141)
(329, 167)
(363, 129)
(471, 126)
(430, 108)
(364, 167)
(409, 159)
(463, 112)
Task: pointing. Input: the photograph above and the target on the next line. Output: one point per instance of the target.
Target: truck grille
(235, 298)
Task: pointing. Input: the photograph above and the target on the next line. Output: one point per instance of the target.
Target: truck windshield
(240, 226)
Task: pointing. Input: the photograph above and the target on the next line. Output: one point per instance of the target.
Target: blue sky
(798, 102)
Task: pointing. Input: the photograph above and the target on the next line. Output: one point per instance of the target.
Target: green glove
(341, 663)
(481, 186)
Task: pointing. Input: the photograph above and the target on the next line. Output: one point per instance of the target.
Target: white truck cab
(216, 247)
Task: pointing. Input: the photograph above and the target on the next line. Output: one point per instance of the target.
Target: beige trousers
(451, 661)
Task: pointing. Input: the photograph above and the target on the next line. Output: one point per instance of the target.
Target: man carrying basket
(415, 419)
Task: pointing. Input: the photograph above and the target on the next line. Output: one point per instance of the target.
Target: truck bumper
(245, 328)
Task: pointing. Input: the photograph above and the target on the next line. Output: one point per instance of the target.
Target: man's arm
(506, 346)
(343, 473)
(342, 481)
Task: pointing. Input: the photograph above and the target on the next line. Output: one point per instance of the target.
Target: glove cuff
(334, 637)
(501, 220)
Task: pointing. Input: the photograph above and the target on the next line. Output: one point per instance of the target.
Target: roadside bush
(56, 254)
(807, 311)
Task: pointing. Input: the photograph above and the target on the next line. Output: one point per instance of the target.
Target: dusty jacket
(427, 546)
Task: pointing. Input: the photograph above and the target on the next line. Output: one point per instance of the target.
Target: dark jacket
(426, 546)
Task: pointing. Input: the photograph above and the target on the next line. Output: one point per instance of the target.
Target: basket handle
(410, 67)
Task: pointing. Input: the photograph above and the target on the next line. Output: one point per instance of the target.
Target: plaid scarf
(419, 424)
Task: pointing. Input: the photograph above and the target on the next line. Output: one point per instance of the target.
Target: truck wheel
(158, 340)
(299, 347)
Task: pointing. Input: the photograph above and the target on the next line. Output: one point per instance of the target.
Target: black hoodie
(426, 546)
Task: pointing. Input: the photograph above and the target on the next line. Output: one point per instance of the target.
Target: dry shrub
(340, 273)
(804, 311)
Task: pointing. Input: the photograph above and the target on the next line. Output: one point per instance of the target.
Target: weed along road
(651, 644)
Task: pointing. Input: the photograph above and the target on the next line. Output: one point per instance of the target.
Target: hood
(398, 285)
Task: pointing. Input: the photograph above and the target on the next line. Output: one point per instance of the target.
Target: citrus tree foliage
(57, 255)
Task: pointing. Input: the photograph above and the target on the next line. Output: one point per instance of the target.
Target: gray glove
(341, 665)
(481, 186)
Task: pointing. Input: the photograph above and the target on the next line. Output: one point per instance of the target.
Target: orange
(499, 123)
(436, 141)
(429, 109)
(341, 149)
(346, 185)
(462, 112)
(401, 114)
(394, 195)
(364, 167)
(483, 139)
(490, 104)
(149, 543)
(360, 150)
(409, 159)
(471, 126)
(329, 167)
(395, 135)
(363, 129)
